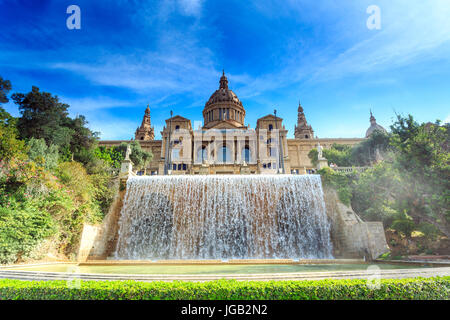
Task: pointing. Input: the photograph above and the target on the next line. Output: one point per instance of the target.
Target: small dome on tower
(223, 94)
(374, 126)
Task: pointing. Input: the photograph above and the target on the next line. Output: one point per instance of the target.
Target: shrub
(338, 181)
(43, 155)
(430, 231)
(405, 227)
(21, 230)
(390, 289)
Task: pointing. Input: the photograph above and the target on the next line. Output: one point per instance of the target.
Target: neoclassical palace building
(226, 145)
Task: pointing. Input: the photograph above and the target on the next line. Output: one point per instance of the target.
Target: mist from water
(224, 217)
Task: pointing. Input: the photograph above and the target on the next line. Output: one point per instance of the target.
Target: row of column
(231, 145)
(224, 114)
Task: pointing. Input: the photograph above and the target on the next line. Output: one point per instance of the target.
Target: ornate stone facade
(226, 145)
(224, 110)
(302, 129)
(145, 132)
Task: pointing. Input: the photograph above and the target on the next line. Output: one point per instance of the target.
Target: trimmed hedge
(396, 289)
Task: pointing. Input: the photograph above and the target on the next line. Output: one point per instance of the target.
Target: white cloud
(409, 34)
(412, 32)
(180, 61)
(153, 73)
(95, 103)
(447, 120)
(190, 7)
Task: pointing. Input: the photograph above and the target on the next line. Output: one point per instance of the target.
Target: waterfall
(224, 217)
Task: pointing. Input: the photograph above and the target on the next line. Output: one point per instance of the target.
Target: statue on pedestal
(128, 152)
(319, 152)
(322, 162)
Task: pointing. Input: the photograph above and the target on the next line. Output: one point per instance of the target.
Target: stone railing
(349, 169)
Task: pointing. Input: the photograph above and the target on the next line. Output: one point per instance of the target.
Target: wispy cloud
(447, 119)
(191, 7)
(153, 71)
(95, 103)
(410, 34)
(170, 53)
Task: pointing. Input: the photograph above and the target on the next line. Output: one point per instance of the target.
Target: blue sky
(170, 54)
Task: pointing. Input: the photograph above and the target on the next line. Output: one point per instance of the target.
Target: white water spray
(224, 217)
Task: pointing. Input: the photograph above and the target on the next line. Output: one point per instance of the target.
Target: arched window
(202, 154)
(270, 127)
(246, 154)
(177, 128)
(224, 154)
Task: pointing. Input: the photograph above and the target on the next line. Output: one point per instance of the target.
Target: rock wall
(98, 242)
(352, 237)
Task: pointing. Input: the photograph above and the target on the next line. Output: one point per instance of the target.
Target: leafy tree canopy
(423, 158)
(138, 156)
(45, 117)
(409, 185)
(111, 155)
(10, 146)
(371, 150)
(5, 87)
(338, 154)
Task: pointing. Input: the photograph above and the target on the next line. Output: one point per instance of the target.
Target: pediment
(178, 118)
(270, 117)
(225, 125)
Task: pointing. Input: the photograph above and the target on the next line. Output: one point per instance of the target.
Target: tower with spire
(223, 81)
(374, 126)
(302, 129)
(145, 132)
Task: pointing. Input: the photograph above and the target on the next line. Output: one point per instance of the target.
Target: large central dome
(223, 109)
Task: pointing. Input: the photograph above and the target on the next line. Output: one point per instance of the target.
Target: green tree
(370, 150)
(138, 156)
(338, 154)
(313, 155)
(111, 155)
(39, 152)
(43, 117)
(10, 146)
(408, 188)
(374, 194)
(5, 87)
(83, 141)
(339, 181)
(5, 118)
(423, 158)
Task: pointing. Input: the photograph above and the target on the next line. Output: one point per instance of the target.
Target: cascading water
(223, 217)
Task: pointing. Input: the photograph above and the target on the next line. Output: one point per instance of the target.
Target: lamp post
(169, 151)
(280, 158)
